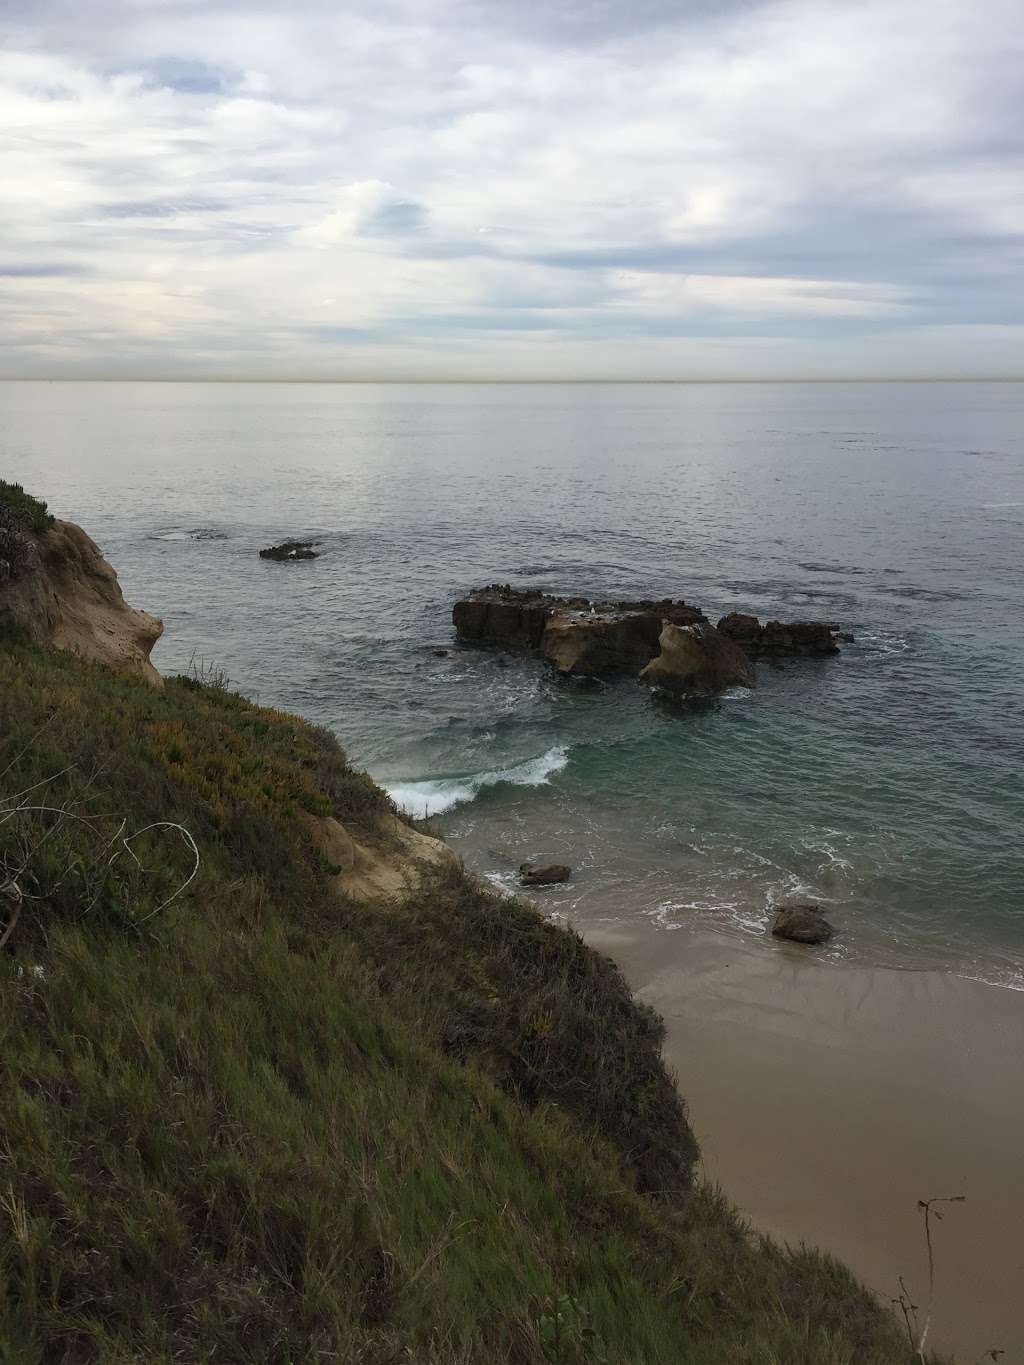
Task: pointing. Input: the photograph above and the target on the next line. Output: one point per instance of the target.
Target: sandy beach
(828, 1099)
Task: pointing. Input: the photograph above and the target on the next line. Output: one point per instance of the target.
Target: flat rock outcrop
(68, 597)
(811, 638)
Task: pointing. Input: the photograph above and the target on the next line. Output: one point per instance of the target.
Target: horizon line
(275, 379)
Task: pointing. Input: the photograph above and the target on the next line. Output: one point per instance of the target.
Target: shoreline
(829, 1098)
(622, 879)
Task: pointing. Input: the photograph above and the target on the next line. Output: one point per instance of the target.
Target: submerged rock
(543, 874)
(698, 661)
(290, 550)
(801, 924)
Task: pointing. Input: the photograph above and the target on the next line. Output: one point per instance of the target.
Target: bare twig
(43, 782)
(908, 1309)
(927, 1206)
(11, 872)
(192, 845)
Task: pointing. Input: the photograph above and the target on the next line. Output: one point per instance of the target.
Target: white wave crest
(422, 800)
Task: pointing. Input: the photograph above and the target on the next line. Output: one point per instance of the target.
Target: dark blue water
(886, 783)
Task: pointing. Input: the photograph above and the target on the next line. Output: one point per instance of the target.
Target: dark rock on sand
(801, 924)
(290, 550)
(543, 874)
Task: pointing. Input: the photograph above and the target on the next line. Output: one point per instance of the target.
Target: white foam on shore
(422, 800)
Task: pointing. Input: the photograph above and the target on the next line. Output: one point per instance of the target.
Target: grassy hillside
(250, 1120)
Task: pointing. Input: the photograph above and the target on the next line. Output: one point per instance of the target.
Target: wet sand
(828, 1099)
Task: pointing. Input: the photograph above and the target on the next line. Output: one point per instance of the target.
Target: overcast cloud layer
(460, 188)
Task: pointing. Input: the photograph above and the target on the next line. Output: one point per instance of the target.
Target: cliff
(67, 595)
(260, 1102)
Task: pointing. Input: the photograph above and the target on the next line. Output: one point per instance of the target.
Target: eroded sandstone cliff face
(401, 861)
(68, 596)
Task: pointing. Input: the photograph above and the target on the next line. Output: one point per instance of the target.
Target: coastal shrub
(17, 548)
(270, 1125)
(23, 509)
(551, 1020)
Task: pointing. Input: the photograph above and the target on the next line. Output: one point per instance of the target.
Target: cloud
(365, 208)
(244, 186)
(39, 270)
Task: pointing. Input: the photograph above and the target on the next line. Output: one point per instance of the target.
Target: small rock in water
(801, 924)
(289, 550)
(543, 874)
(440, 654)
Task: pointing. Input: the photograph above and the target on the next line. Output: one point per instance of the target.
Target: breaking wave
(422, 800)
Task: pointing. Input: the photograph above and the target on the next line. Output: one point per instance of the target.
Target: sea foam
(434, 796)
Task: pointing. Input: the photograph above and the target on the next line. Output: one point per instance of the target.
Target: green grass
(26, 510)
(266, 1124)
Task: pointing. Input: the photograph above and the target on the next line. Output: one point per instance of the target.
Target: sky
(474, 189)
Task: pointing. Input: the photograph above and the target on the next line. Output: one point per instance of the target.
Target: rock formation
(801, 924)
(502, 615)
(607, 641)
(68, 596)
(577, 635)
(290, 550)
(697, 660)
(779, 637)
(543, 874)
(669, 643)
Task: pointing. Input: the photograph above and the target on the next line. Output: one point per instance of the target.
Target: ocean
(885, 784)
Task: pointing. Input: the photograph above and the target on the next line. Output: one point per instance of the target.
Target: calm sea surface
(886, 783)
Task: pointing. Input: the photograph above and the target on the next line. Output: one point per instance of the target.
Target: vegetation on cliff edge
(23, 509)
(258, 1122)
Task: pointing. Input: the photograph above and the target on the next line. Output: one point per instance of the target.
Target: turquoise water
(886, 782)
